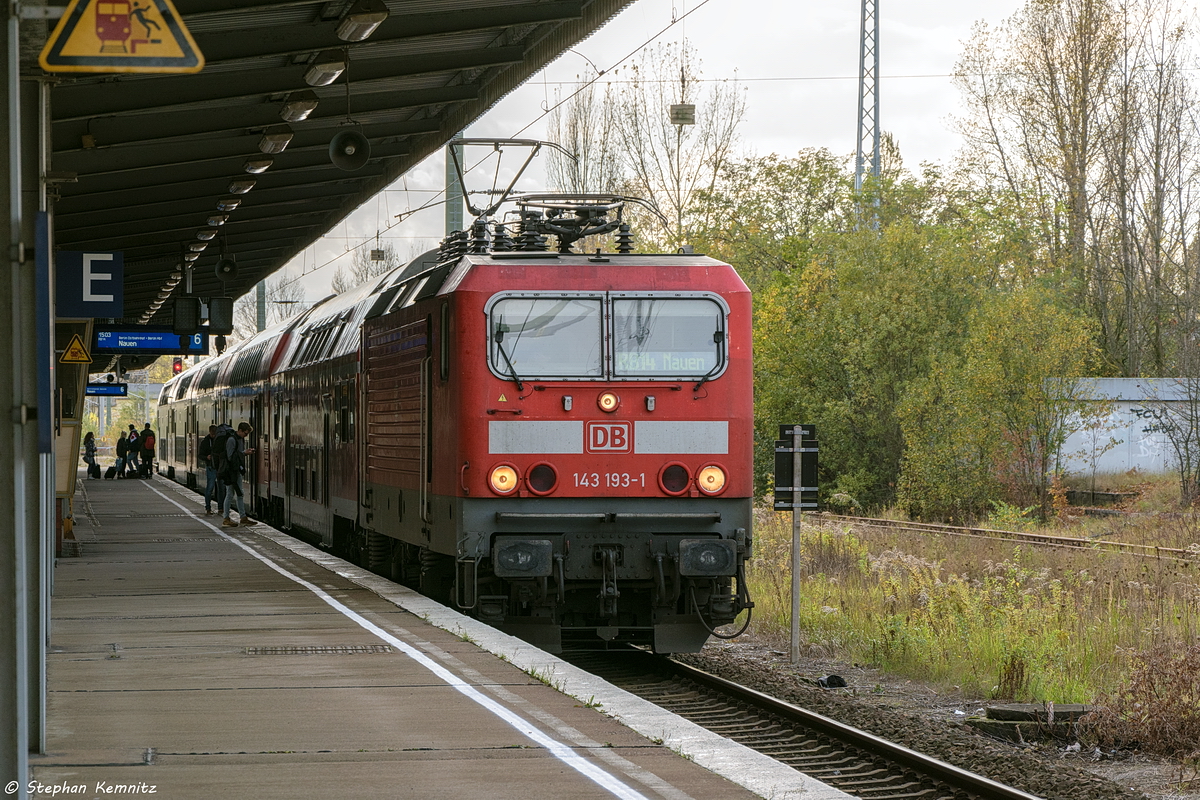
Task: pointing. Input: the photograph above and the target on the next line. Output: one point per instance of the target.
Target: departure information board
(145, 341)
(107, 390)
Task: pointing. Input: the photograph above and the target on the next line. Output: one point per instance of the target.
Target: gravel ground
(918, 717)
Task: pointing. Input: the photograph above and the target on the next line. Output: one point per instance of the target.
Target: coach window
(546, 337)
(667, 337)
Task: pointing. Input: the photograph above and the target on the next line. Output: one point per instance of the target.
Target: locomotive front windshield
(649, 337)
(547, 337)
(666, 337)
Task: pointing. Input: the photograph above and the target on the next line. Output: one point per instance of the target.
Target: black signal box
(796, 492)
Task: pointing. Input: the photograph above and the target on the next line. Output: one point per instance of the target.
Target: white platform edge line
(735, 762)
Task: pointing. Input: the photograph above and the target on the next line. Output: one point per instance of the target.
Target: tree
(994, 415)
(1174, 406)
(285, 299)
(585, 125)
(363, 266)
(765, 214)
(671, 165)
(840, 343)
(1081, 115)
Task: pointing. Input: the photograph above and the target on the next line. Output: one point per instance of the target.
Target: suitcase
(110, 473)
(94, 471)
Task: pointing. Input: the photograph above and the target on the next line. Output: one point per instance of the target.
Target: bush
(1157, 709)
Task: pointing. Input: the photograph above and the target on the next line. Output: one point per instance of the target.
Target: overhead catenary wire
(545, 112)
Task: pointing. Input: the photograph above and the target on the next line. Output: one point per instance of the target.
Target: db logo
(608, 437)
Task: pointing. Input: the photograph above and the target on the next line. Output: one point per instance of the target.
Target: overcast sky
(797, 60)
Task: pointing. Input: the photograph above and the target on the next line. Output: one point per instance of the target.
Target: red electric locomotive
(558, 444)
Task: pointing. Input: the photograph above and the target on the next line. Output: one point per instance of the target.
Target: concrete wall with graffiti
(1127, 429)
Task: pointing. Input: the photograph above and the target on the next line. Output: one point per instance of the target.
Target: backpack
(148, 441)
(220, 452)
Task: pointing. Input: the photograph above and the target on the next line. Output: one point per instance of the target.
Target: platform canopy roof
(155, 155)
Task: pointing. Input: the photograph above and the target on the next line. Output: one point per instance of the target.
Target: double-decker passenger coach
(556, 443)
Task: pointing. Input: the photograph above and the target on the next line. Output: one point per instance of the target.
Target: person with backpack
(131, 452)
(122, 452)
(89, 455)
(207, 452)
(146, 444)
(234, 464)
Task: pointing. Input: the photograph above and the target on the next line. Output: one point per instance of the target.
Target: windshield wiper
(499, 340)
(718, 337)
(707, 375)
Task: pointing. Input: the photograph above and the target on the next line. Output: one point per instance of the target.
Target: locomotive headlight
(711, 479)
(608, 402)
(707, 558)
(503, 479)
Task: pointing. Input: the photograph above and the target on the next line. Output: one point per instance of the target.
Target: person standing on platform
(146, 443)
(122, 453)
(213, 487)
(235, 464)
(89, 453)
(132, 451)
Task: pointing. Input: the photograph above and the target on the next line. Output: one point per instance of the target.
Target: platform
(241, 663)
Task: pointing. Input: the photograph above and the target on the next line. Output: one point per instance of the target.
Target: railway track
(1037, 539)
(846, 758)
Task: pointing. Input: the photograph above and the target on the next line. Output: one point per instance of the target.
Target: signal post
(796, 489)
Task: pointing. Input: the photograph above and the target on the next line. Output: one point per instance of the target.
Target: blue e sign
(89, 285)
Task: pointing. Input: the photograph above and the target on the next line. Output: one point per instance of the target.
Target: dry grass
(995, 618)
(1157, 708)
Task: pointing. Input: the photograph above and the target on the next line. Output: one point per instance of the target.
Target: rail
(1040, 539)
(846, 758)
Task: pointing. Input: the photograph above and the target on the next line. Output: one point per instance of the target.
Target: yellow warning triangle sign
(121, 36)
(75, 353)
(502, 399)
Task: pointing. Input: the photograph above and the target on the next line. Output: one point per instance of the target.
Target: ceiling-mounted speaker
(349, 150)
(226, 269)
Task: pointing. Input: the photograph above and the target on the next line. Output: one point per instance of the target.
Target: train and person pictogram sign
(121, 36)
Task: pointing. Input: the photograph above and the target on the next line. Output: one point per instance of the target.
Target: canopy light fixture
(241, 185)
(361, 20)
(298, 106)
(176, 277)
(217, 220)
(205, 234)
(275, 139)
(228, 203)
(254, 166)
(197, 247)
(326, 68)
(189, 257)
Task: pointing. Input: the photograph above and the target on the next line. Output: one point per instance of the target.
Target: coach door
(324, 457)
(289, 462)
(254, 460)
(189, 434)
